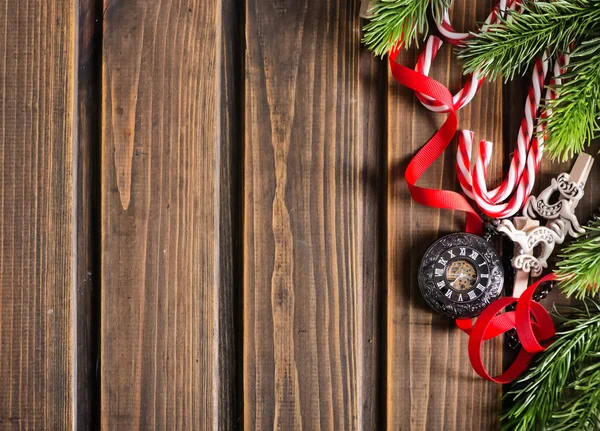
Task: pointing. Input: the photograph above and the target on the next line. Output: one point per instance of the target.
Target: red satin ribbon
(434, 148)
(535, 334)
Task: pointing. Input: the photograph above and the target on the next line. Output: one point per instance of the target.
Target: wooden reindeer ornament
(527, 234)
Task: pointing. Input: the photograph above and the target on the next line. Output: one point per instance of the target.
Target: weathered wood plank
(430, 383)
(37, 48)
(162, 321)
(311, 219)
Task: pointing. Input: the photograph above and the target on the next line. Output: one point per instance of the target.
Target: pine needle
(509, 47)
(396, 21)
(575, 112)
(579, 268)
(581, 408)
(537, 394)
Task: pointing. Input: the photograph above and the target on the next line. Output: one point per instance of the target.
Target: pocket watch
(460, 275)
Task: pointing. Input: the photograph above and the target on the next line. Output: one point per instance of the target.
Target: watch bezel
(432, 294)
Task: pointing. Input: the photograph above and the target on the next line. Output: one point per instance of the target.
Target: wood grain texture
(162, 186)
(36, 214)
(430, 384)
(311, 219)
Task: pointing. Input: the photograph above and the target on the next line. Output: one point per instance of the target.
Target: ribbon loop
(535, 334)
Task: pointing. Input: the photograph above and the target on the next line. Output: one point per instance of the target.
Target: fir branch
(575, 112)
(538, 392)
(399, 20)
(581, 409)
(579, 268)
(510, 46)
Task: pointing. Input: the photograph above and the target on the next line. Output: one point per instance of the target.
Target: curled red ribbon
(535, 334)
(434, 147)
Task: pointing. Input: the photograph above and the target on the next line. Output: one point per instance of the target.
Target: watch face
(460, 275)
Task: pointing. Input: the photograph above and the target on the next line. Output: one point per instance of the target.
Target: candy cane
(522, 147)
(520, 179)
(426, 57)
(521, 176)
(462, 97)
(455, 38)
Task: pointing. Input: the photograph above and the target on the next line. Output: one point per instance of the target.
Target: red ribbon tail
(434, 147)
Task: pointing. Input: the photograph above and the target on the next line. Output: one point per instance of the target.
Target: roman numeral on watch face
(460, 275)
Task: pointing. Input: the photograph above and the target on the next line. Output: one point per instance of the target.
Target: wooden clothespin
(527, 234)
(365, 8)
(580, 173)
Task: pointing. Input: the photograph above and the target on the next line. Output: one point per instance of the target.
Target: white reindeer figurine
(527, 234)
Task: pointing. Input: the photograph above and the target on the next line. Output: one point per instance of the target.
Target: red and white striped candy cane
(520, 179)
(462, 97)
(523, 143)
(456, 38)
(426, 57)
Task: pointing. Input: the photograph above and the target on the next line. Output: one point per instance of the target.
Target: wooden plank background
(161, 215)
(309, 216)
(430, 382)
(37, 46)
(204, 223)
